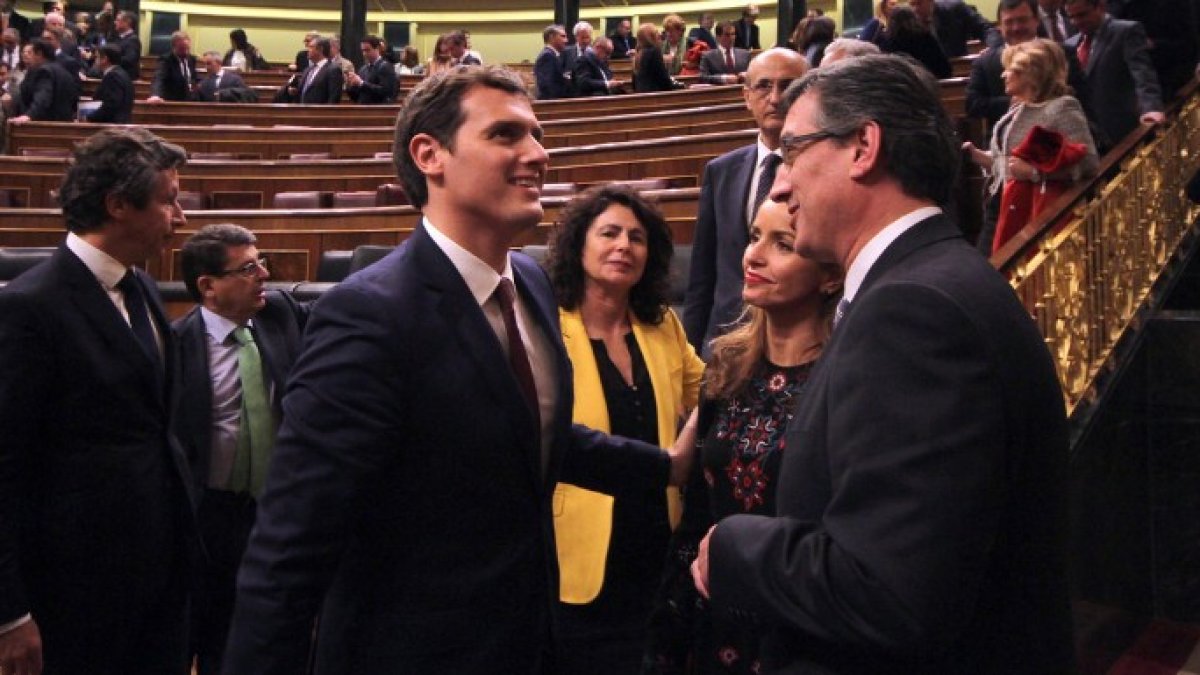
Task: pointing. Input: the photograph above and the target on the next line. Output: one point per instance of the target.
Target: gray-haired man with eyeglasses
(732, 190)
(236, 348)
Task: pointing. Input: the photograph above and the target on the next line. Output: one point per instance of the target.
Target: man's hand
(21, 650)
(20, 120)
(682, 452)
(1153, 117)
(700, 565)
(154, 99)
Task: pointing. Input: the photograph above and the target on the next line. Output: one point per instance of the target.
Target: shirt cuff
(13, 625)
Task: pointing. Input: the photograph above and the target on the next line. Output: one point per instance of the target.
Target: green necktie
(256, 434)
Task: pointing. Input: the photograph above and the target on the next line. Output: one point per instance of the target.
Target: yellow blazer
(583, 518)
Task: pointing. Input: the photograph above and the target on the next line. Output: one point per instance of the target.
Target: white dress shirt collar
(107, 269)
(481, 279)
(217, 326)
(879, 243)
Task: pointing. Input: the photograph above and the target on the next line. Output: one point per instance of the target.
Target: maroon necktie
(729, 60)
(518, 359)
(1084, 50)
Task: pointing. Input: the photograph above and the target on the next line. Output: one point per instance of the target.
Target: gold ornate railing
(1085, 266)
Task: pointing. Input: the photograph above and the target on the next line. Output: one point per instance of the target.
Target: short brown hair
(435, 108)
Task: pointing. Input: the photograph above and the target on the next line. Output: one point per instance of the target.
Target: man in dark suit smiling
(426, 422)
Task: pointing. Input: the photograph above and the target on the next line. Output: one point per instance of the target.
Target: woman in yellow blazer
(635, 376)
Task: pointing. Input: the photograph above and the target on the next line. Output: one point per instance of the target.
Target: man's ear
(427, 153)
(117, 206)
(868, 151)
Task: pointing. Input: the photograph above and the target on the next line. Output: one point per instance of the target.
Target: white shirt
(109, 272)
(226, 397)
(482, 281)
(762, 153)
(870, 253)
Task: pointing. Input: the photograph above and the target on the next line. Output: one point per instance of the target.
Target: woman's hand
(980, 157)
(1019, 169)
(683, 452)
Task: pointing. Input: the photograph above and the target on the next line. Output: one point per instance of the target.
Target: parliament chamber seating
(18, 259)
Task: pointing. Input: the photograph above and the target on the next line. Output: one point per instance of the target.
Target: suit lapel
(742, 180)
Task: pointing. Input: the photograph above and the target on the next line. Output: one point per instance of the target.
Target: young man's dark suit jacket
(570, 58)
(956, 22)
(379, 83)
(714, 290)
(96, 524)
(50, 94)
(21, 23)
(712, 64)
(591, 77)
(1121, 81)
(115, 93)
(623, 47)
(131, 54)
(207, 90)
(169, 82)
(326, 87)
(701, 34)
(746, 36)
(921, 514)
(548, 73)
(407, 479)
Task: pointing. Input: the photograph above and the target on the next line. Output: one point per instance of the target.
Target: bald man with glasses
(734, 186)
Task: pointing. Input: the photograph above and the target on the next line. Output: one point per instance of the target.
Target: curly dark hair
(648, 299)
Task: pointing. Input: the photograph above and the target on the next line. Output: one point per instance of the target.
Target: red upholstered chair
(391, 194)
(353, 200)
(307, 199)
(193, 201)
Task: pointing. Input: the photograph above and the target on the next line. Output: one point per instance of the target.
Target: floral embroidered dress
(740, 449)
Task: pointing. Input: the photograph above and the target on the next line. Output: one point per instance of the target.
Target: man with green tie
(236, 348)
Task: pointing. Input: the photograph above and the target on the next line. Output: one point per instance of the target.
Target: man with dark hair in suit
(593, 76)
(1054, 22)
(301, 62)
(703, 32)
(96, 523)
(552, 83)
(127, 39)
(953, 22)
(49, 93)
(426, 422)
(375, 82)
(11, 18)
(624, 43)
(747, 29)
(176, 77)
(920, 520)
(220, 82)
(66, 55)
(115, 91)
(322, 82)
(456, 42)
(236, 349)
(734, 186)
(1122, 87)
(726, 64)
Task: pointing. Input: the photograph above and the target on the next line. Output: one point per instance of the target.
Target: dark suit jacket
(921, 46)
(956, 22)
(747, 35)
(207, 89)
(714, 290)
(921, 513)
(326, 86)
(21, 23)
(49, 94)
(95, 517)
(406, 498)
(548, 73)
(713, 64)
(1121, 82)
(591, 77)
(702, 34)
(131, 55)
(379, 83)
(169, 81)
(69, 58)
(569, 59)
(115, 93)
(1171, 27)
(651, 73)
(301, 61)
(623, 47)
(276, 329)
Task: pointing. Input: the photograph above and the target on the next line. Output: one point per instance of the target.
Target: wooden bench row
(294, 239)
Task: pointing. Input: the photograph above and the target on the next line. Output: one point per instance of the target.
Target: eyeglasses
(763, 87)
(248, 270)
(793, 145)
